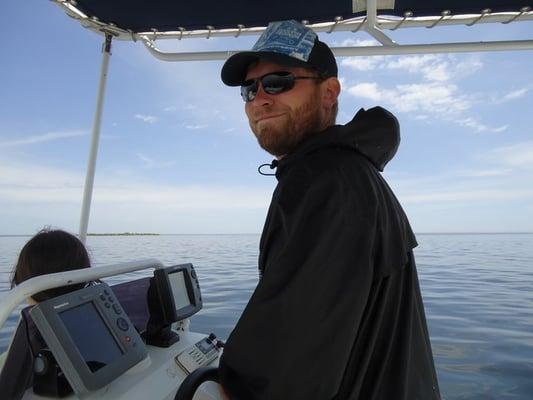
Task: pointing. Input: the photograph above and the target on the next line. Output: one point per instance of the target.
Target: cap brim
(236, 67)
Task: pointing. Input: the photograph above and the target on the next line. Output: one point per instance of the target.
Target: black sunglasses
(273, 83)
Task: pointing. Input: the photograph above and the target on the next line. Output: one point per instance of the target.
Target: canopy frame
(373, 23)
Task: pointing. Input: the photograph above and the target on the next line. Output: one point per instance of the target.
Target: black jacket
(337, 313)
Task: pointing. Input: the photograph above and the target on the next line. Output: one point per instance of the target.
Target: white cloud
(356, 43)
(38, 184)
(149, 119)
(486, 173)
(46, 137)
(443, 99)
(188, 107)
(449, 196)
(197, 126)
(479, 127)
(151, 163)
(518, 155)
(432, 67)
(37, 176)
(431, 97)
(466, 67)
(509, 96)
(515, 94)
(367, 90)
(465, 187)
(436, 68)
(362, 63)
(184, 197)
(439, 73)
(503, 174)
(436, 93)
(32, 196)
(413, 63)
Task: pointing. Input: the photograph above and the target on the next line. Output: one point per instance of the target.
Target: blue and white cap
(287, 43)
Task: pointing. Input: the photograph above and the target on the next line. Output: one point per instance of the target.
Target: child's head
(47, 252)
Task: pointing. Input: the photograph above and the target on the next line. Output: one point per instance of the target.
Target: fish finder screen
(89, 332)
(179, 290)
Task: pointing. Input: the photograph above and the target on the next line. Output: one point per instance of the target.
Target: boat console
(96, 350)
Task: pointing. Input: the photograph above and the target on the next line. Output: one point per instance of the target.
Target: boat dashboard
(129, 341)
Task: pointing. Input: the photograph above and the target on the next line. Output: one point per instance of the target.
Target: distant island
(124, 234)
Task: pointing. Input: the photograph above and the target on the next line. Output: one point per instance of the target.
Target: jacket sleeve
(294, 338)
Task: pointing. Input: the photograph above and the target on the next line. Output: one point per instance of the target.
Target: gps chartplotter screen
(93, 338)
(179, 290)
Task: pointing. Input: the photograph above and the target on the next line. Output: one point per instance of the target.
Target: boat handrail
(11, 299)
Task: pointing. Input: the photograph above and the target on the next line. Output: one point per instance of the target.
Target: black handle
(194, 380)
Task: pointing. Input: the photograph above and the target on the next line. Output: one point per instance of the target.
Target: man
(337, 313)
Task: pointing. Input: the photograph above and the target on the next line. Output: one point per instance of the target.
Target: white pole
(89, 178)
(511, 45)
(371, 25)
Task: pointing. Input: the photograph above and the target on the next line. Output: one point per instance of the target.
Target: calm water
(477, 291)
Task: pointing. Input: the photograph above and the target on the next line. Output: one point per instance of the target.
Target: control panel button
(117, 309)
(122, 324)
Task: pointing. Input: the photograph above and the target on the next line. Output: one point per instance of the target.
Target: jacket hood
(375, 133)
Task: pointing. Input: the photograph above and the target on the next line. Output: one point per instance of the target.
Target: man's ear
(331, 89)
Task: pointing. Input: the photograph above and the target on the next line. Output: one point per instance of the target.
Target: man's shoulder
(332, 172)
(345, 165)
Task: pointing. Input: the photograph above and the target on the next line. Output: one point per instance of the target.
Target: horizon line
(257, 233)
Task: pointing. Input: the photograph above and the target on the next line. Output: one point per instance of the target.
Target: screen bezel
(57, 337)
(166, 297)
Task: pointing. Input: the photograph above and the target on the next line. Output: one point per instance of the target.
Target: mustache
(263, 113)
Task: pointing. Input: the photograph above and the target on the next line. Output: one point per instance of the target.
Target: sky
(177, 156)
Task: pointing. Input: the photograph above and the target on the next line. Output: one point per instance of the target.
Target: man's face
(281, 121)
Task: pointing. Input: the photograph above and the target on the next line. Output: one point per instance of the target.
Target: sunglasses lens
(249, 90)
(276, 83)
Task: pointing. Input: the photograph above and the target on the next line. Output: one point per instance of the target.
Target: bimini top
(150, 20)
(170, 15)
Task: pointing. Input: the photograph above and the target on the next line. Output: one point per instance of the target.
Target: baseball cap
(286, 43)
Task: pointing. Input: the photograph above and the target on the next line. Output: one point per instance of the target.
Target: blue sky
(176, 154)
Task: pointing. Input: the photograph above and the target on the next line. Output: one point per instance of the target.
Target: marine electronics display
(178, 291)
(90, 336)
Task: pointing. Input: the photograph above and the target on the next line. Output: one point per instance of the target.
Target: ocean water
(477, 289)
